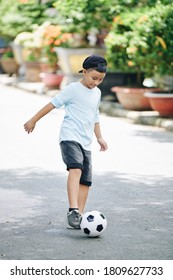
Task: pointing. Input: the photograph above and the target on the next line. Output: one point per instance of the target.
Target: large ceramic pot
(161, 102)
(119, 79)
(133, 98)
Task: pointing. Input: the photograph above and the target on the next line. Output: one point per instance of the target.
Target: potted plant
(137, 43)
(8, 63)
(20, 16)
(38, 52)
(30, 43)
(52, 37)
(162, 101)
(88, 31)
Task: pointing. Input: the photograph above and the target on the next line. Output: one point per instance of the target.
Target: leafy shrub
(142, 40)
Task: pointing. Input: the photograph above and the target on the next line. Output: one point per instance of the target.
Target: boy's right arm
(30, 125)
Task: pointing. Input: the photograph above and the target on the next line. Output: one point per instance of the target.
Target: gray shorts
(74, 156)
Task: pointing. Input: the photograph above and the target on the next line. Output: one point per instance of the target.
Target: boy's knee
(75, 171)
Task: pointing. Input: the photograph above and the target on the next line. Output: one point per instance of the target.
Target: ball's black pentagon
(86, 230)
(90, 218)
(99, 228)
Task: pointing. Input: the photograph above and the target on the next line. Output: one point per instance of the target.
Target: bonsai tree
(141, 41)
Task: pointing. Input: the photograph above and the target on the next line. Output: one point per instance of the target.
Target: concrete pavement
(132, 186)
(145, 117)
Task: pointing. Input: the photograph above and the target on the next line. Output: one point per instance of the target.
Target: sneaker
(74, 219)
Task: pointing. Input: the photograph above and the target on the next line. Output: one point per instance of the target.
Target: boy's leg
(77, 193)
(78, 163)
(82, 197)
(73, 187)
(73, 215)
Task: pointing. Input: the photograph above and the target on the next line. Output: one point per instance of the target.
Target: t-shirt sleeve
(62, 98)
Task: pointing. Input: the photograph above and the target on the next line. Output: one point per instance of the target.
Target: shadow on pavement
(33, 206)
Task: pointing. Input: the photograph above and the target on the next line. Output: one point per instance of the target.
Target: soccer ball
(93, 223)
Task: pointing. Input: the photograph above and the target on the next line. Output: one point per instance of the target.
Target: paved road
(133, 187)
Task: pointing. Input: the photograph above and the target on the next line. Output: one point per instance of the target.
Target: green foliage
(16, 16)
(140, 32)
(83, 15)
(8, 54)
(79, 15)
(39, 43)
(142, 41)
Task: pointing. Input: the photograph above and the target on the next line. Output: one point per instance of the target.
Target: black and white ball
(93, 223)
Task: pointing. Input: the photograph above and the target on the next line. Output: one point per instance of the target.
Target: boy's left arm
(100, 140)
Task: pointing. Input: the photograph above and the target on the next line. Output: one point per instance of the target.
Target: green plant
(8, 54)
(83, 15)
(141, 41)
(31, 42)
(17, 16)
(39, 44)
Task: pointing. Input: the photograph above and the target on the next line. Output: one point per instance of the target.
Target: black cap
(95, 61)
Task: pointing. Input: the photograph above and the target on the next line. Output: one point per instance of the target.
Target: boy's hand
(103, 144)
(29, 126)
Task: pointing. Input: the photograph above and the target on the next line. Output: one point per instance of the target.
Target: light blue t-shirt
(81, 113)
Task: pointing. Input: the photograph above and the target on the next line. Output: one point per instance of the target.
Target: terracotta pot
(118, 79)
(161, 102)
(52, 80)
(133, 98)
(33, 71)
(9, 65)
(48, 68)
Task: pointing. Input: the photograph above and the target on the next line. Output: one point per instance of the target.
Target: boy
(81, 100)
